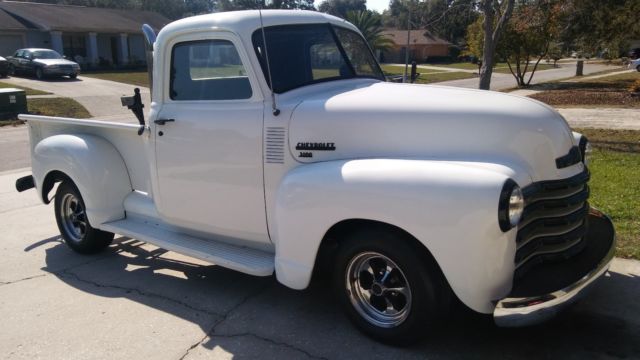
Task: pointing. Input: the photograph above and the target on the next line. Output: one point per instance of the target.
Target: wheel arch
(342, 229)
(95, 167)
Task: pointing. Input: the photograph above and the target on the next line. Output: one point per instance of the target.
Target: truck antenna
(274, 108)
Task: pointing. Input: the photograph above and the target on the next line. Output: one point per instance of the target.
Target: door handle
(163, 121)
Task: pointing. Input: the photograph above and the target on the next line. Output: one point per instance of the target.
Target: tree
(370, 25)
(496, 15)
(228, 5)
(448, 19)
(340, 8)
(529, 35)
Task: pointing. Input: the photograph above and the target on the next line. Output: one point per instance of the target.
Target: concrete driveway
(136, 301)
(100, 97)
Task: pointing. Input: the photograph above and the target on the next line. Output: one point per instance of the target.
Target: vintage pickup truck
(274, 145)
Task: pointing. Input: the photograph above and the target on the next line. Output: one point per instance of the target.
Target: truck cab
(273, 145)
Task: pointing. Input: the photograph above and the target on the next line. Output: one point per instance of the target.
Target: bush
(635, 87)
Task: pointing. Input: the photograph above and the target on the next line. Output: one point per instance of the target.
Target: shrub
(635, 87)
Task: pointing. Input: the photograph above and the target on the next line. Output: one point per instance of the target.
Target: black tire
(73, 76)
(638, 68)
(12, 69)
(429, 296)
(73, 224)
(4, 74)
(39, 74)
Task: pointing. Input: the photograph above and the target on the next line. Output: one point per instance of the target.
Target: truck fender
(93, 164)
(449, 207)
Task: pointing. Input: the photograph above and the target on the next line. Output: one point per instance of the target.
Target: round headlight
(585, 149)
(511, 206)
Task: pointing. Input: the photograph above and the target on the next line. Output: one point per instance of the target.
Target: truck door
(209, 140)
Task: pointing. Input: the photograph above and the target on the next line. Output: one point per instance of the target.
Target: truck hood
(387, 120)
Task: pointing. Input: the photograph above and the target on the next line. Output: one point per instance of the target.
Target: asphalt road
(138, 301)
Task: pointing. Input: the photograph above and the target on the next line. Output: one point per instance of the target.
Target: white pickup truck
(274, 145)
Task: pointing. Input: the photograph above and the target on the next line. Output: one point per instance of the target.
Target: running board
(243, 259)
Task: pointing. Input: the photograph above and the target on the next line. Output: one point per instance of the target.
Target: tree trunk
(492, 36)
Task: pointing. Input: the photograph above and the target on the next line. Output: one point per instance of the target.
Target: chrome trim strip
(515, 312)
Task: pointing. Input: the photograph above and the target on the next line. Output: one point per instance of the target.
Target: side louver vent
(274, 145)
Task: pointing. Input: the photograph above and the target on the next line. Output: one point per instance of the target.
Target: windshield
(45, 54)
(300, 55)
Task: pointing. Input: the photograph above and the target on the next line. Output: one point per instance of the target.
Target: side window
(208, 70)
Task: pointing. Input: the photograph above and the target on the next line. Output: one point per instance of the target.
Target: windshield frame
(257, 35)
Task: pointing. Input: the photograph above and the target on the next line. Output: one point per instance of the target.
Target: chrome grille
(554, 221)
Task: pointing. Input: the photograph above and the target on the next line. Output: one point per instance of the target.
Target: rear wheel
(73, 76)
(73, 223)
(389, 290)
(12, 69)
(638, 68)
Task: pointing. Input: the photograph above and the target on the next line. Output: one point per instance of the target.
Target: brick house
(422, 45)
(91, 36)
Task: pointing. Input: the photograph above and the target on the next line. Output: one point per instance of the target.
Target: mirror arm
(134, 103)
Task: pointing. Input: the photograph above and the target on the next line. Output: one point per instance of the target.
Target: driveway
(138, 301)
(100, 97)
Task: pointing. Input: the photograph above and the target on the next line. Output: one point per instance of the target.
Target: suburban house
(91, 36)
(422, 45)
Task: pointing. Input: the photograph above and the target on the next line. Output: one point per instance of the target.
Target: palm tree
(370, 25)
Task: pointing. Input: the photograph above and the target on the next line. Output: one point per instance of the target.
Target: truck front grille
(554, 223)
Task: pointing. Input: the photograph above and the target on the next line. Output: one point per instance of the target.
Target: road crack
(70, 275)
(274, 342)
(224, 318)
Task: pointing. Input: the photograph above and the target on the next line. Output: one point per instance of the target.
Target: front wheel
(638, 68)
(39, 74)
(389, 290)
(73, 223)
(12, 70)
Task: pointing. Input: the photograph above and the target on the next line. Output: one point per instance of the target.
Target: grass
(610, 91)
(428, 76)
(28, 91)
(62, 107)
(137, 78)
(615, 189)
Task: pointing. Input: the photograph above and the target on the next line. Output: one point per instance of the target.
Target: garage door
(9, 44)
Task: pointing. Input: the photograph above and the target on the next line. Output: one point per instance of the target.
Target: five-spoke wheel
(389, 285)
(73, 222)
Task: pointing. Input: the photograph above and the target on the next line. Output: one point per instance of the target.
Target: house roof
(8, 22)
(416, 37)
(71, 18)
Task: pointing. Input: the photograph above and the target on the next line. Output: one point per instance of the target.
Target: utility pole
(406, 51)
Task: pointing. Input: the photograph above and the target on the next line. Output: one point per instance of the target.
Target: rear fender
(449, 207)
(95, 167)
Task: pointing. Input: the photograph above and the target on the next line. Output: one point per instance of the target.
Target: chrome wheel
(378, 289)
(74, 219)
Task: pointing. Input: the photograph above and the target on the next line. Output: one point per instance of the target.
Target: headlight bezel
(510, 206)
(585, 150)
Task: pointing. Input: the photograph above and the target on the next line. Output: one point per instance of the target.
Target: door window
(208, 70)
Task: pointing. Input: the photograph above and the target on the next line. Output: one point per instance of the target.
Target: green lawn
(428, 76)
(138, 78)
(63, 107)
(28, 91)
(615, 185)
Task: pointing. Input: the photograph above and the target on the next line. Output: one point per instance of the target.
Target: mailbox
(12, 103)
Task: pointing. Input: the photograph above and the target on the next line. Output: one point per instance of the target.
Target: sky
(377, 5)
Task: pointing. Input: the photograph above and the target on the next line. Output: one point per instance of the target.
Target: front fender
(93, 164)
(450, 207)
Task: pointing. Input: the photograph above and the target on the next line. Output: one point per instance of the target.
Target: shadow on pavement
(247, 316)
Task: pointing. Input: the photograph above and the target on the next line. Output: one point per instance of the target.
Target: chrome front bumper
(591, 264)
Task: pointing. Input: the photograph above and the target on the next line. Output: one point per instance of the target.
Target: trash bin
(12, 102)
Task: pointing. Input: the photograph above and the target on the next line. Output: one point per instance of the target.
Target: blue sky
(377, 5)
